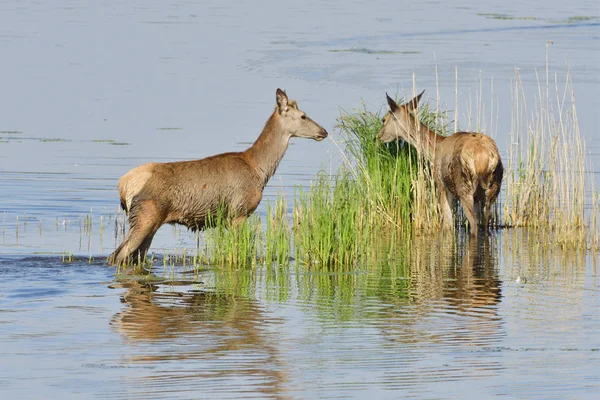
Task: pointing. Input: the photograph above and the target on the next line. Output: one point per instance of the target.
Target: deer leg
(446, 203)
(468, 205)
(145, 220)
(490, 198)
(477, 209)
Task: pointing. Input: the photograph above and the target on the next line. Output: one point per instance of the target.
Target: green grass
(229, 244)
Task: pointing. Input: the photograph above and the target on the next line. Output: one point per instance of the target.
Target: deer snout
(385, 136)
(321, 135)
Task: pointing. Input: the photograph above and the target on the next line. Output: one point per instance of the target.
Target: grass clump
(230, 243)
(277, 233)
(381, 193)
(329, 222)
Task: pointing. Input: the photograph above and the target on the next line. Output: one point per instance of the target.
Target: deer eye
(303, 116)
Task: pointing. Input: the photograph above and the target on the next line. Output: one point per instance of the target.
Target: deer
(465, 165)
(189, 192)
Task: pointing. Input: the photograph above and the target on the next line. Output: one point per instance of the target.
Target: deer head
(400, 123)
(295, 122)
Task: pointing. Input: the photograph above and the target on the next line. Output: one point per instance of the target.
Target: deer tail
(481, 162)
(486, 163)
(132, 183)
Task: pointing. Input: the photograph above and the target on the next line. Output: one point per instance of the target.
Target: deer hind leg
(446, 200)
(468, 205)
(446, 203)
(145, 219)
(490, 198)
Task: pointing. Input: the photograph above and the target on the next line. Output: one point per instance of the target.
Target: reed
(548, 187)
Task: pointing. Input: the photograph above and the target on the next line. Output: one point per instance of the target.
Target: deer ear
(391, 103)
(412, 105)
(282, 100)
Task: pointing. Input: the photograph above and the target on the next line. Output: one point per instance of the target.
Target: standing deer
(188, 192)
(466, 165)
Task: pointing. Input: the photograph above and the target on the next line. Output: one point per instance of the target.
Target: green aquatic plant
(277, 233)
(229, 243)
(54, 140)
(506, 16)
(577, 19)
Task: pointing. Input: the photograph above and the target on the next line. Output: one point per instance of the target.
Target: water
(455, 323)
(90, 91)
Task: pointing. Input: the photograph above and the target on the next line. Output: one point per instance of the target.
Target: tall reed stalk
(547, 187)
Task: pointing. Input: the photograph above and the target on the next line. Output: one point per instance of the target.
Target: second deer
(466, 165)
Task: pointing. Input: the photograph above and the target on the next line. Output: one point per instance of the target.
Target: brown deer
(188, 192)
(466, 165)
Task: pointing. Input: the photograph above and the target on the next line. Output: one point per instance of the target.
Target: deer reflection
(452, 294)
(200, 330)
(476, 287)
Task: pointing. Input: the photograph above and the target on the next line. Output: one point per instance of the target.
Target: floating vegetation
(111, 142)
(54, 140)
(577, 19)
(506, 17)
(10, 132)
(371, 51)
(167, 128)
(570, 20)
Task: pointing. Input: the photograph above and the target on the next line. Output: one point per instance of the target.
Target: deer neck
(268, 150)
(424, 140)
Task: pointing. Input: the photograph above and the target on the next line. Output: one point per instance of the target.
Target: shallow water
(90, 91)
(436, 324)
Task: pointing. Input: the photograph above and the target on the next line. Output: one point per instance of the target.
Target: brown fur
(466, 165)
(187, 192)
